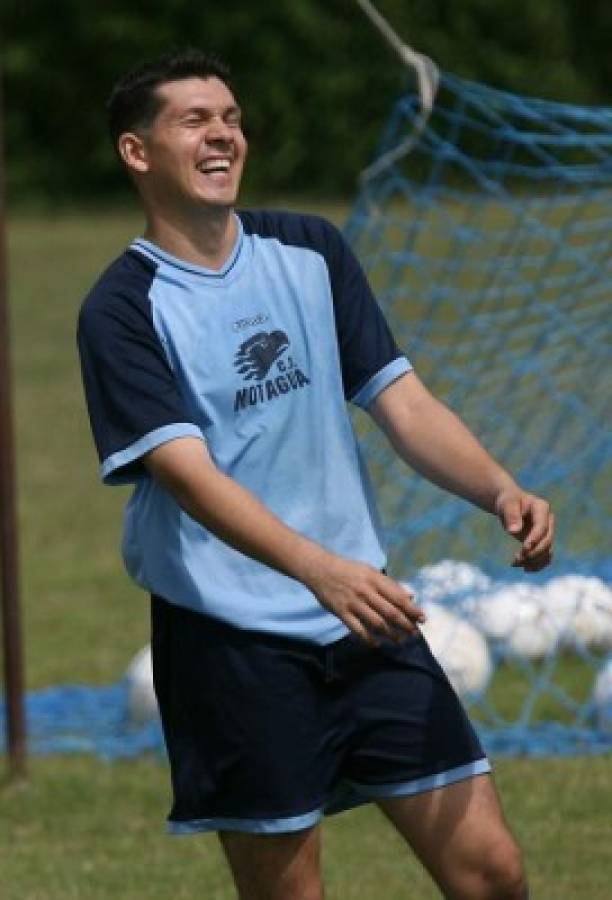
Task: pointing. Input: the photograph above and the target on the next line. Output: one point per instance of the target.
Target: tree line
(315, 80)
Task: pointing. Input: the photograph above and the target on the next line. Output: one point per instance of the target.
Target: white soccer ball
(460, 649)
(513, 616)
(558, 608)
(581, 608)
(534, 637)
(448, 577)
(142, 702)
(498, 612)
(602, 697)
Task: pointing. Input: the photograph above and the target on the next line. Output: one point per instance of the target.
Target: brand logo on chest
(254, 359)
(241, 324)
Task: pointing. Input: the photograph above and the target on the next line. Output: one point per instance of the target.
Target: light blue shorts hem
(427, 783)
(251, 826)
(357, 795)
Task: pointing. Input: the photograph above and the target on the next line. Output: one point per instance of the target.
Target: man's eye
(192, 119)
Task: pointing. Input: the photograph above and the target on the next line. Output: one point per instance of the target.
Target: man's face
(194, 151)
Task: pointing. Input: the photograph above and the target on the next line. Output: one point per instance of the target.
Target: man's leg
(275, 866)
(459, 834)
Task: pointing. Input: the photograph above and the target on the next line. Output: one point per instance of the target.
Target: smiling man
(218, 354)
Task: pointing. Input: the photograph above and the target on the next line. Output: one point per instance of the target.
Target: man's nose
(218, 130)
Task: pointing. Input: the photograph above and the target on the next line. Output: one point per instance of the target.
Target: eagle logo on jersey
(255, 356)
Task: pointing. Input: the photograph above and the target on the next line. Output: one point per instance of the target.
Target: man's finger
(541, 546)
(373, 621)
(511, 515)
(540, 524)
(401, 598)
(534, 565)
(539, 556)
(354, 625)
(533, 548)
(395, 616)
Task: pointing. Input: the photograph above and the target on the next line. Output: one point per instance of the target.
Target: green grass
(85, 829)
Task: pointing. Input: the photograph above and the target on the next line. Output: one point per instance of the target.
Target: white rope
(428, 79)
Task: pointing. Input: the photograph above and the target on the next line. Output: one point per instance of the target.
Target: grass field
(85, 829)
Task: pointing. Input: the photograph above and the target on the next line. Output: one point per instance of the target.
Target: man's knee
(502, 874)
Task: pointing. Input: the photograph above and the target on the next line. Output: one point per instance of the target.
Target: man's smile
(214, 164)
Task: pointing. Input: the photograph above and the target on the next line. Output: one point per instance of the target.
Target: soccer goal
(484, 228)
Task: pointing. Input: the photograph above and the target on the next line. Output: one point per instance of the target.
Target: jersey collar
(155, 253)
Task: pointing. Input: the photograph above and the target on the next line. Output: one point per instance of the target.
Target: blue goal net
(488, 246)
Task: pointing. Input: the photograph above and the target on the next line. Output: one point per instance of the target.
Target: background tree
(315, 79)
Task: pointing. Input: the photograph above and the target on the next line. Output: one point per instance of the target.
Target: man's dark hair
(134, 102)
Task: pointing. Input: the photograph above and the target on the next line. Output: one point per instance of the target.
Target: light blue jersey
(257, 360)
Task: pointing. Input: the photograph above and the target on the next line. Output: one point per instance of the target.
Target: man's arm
(368, 602)
(434, 442)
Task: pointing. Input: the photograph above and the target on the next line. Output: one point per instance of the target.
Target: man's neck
(207, 241)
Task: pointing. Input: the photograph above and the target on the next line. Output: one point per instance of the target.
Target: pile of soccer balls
(473, 623)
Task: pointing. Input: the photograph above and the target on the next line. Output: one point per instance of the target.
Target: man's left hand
(528, 519)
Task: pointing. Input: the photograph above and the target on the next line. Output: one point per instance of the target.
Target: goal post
(9, 555)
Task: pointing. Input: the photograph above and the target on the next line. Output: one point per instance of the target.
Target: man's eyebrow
(198, 109)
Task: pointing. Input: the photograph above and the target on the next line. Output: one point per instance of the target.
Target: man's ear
(132, 151)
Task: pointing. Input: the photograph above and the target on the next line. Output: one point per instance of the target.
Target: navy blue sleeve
(369, 357)
(132, 397)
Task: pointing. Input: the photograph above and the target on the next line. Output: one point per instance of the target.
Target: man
(218, 353)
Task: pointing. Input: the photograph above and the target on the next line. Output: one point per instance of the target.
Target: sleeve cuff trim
(382, 379)
(111, 465)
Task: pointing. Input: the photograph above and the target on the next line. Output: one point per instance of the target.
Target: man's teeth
(214, 165)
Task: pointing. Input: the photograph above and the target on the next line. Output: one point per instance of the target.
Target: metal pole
(9, 555)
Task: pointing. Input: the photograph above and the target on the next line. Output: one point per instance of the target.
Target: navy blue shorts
(266, 734)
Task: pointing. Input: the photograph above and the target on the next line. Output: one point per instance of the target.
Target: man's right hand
(370, 604)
